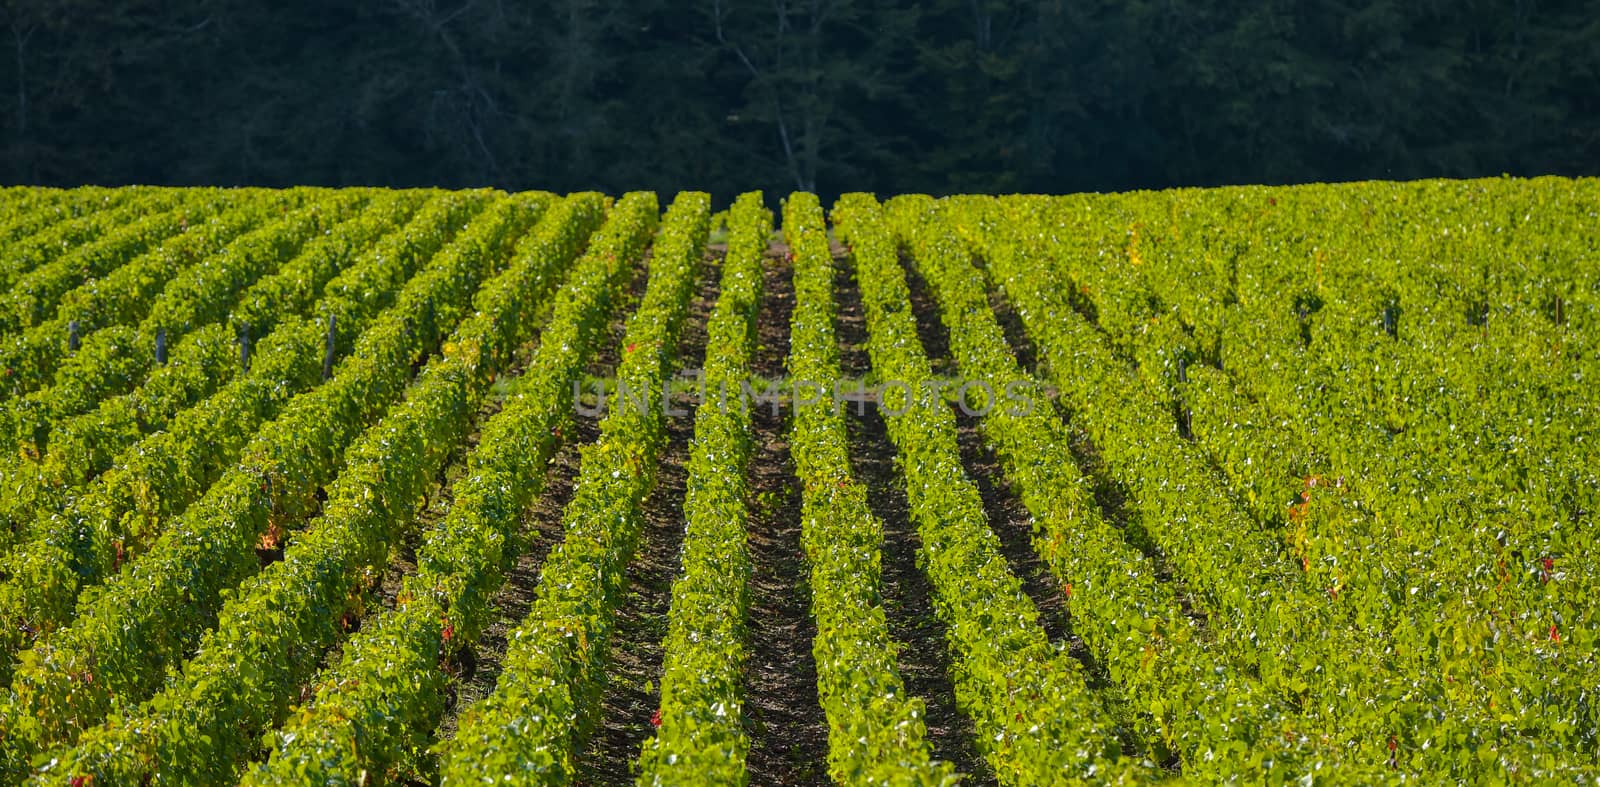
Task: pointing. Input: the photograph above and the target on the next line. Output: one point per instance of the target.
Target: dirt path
(788, 731)
(633, 675)
(478, 669)
(924, 661)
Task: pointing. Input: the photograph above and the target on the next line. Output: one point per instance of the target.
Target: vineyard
(360, 486)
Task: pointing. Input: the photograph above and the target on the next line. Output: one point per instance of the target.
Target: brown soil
(632, 690)
(930, 329)
(924, 657)
(908, 598)
(479, 668)
(851, 320)
(608, 348)
(777, 306)
(1016, 334)
(788, 731)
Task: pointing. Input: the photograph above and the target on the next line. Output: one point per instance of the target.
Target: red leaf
(655, 718)
(1555, 636)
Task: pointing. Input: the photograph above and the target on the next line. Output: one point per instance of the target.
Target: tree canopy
(828, 95)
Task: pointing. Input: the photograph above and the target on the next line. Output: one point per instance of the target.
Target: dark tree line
(939, 96)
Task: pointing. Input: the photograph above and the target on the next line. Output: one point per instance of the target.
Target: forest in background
(826, 95)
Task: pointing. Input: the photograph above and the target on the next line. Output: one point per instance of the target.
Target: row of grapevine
(124, 636)
(375, 711)
(302, 282)
(1481, 413)
(1460, 437)
(1256, 606)
(1368, 666)
(702, 736)
(36, 210)
(187, 283)
(1427, 385)
(1190, 698)
(197, 279)
(33, 297)
(274, 628)
(76, 545)
(1236, 567)
(63, 234)
(203, 361)
(122, 296)
(1035, 718)
(32, 354)
(1420, 429)
(1262, 460)
(877, 733)
(1437, 357)
(528, 730)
